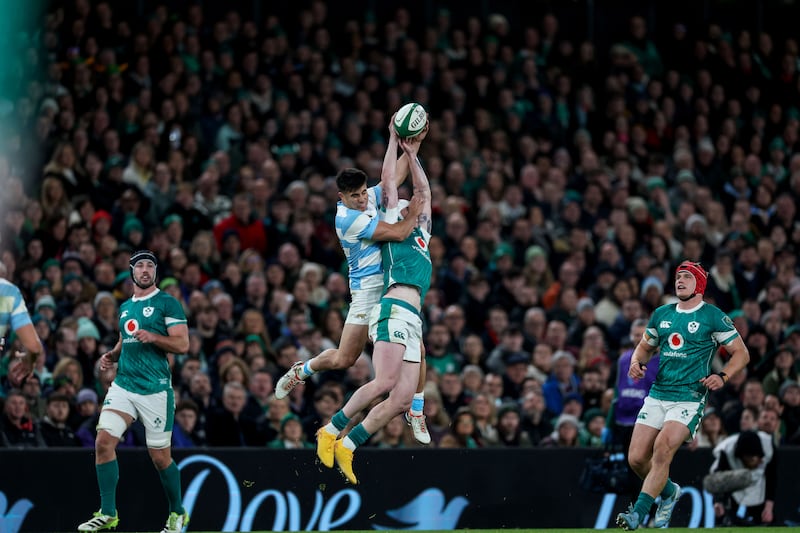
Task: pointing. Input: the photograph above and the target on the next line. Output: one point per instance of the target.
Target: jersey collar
(692, 310)
(146, 297)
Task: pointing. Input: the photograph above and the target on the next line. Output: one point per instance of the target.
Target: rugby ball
(410, 120)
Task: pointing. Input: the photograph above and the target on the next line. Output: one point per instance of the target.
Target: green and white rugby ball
(410, 120)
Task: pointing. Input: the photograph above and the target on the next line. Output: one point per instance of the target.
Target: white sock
(330, 428)
(348, 443)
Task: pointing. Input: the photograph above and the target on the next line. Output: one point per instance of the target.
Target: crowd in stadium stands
(568, 182)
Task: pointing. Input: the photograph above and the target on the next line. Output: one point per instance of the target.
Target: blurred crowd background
(575, 157)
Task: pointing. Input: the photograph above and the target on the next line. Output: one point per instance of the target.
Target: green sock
(107, 477)
(643, 505)
(171, 481)
(669, 490)
(339, 420)
(358, 435)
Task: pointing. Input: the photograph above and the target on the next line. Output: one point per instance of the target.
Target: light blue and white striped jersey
(355, 229)
(13, 313)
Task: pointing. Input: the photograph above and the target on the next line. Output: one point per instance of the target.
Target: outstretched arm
(404, 163)
(422, 189)
(389, 229)
(389, 175)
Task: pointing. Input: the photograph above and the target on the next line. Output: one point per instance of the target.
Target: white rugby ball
(410, 120)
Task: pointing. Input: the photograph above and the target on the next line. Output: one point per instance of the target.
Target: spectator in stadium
(561, 382)
(509, 428)
(750, 499)
(228, 426)
(185, 434)
(53, 427)
(789, 395)
(437, 419)
(565, 434)
(711, 431)
(291, 435)
(17, 429)
(484, 413)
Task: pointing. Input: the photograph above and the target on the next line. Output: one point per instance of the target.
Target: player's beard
(144, 286)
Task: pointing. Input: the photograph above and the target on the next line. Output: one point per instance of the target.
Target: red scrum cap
(699, 273)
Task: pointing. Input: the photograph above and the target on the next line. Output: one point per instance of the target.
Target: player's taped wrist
(391, 215)
(724, 377)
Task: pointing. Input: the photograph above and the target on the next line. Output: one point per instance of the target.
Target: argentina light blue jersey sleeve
(13, 313)
(355, 230)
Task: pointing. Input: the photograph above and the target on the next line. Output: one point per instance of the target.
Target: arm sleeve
(173, 313)
(19, 313)
(724, 330)
(651, 331)
(363, 227)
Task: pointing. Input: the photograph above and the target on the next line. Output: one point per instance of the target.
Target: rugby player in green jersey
(395, 325)
(152, 324)
(687, 334)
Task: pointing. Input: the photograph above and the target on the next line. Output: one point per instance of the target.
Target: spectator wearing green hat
(291, 435)
(133, 231)
(40, 288)
(591, 434)
(502, 258)
(172, 287)
(123, 286)
(51, 271)
(173, 225)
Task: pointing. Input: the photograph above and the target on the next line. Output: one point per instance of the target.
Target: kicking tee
(143, 368)
(408, 262)
(687, 341)
(355, 230)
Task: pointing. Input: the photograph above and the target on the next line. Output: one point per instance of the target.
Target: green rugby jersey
(687, 341)
(408, 262)
(143, 368)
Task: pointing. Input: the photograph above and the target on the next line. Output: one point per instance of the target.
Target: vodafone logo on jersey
(676, 341)
(131, 326)
(421, 242)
